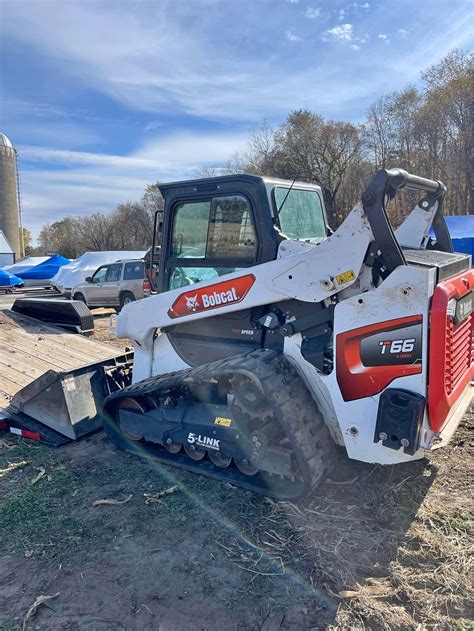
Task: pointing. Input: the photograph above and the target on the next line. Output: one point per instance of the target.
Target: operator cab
(219, 225)
(215, 226)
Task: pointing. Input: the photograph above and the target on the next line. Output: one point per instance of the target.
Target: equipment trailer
(53, 383)
(272, 340)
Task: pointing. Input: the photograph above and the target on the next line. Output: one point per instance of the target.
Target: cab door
(211, 238)
(112, 284)
(94, 290)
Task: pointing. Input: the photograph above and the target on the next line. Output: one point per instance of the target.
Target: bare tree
(377, 133)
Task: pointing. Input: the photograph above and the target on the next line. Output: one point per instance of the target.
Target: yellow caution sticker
(346, 277)
(220, 420)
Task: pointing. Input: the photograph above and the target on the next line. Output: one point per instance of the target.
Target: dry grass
(392, 549)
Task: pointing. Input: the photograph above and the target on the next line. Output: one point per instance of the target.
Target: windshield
(301, 216)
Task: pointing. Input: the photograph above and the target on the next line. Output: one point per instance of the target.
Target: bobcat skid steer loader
(271, 340)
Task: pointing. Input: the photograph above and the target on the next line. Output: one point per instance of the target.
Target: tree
(307, 147)
(60, 236)
(25, 237)
(450, 97)
(377, 133)
(132, 226)
(152, 200)
(95, 232)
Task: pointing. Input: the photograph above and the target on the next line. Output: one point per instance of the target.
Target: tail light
(451, 345)
(146, 286)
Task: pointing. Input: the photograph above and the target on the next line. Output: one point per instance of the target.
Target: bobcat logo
(192, 302)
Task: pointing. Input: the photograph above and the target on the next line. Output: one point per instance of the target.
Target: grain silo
(9, 196)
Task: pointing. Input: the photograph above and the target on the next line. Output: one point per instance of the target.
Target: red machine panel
(370, 357)
(451, 345)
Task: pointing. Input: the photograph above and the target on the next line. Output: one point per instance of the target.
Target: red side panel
(212, 296)
(451, 349)
(370, 357)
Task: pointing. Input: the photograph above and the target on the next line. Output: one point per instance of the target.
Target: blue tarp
(45, 270)
(8, 280)
(461, 229)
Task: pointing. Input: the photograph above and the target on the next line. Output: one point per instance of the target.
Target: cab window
(100, 275)
(133, 271)
(113, 273)
(301, 216)
(191, 223)
(212, 231)
(215, 229)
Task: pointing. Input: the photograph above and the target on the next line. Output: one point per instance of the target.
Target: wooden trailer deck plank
(25, 345)
(9, 363)
(9, 385)
(18, 322)
(20, 356)
(48, 348)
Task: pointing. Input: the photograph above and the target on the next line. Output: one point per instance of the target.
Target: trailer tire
(126, 298)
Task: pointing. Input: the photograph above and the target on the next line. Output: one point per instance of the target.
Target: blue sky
(101, 98)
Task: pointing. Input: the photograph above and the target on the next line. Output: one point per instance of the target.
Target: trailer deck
(50, 375)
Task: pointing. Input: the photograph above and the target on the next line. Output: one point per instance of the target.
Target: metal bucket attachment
(69, 402)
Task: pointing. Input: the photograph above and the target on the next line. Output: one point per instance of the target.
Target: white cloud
(403, 33)
(363, 5)
(78, 182)
(355, 47)
(383, 37)
(160, 59)
(342, 32)
(291, 37)
(341, 14)
(312, 13)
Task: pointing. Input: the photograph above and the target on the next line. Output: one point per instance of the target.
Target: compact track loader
(271, 340)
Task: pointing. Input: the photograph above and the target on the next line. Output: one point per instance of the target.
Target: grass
(38, 514)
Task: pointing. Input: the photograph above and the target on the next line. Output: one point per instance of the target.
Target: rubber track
(291, 403)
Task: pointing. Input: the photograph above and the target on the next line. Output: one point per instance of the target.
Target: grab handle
(398, 178)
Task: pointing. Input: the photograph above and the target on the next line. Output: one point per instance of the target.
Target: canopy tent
(45, 270)
(76, 272)
(9, 280)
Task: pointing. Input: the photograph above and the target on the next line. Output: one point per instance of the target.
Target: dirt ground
(373, 548)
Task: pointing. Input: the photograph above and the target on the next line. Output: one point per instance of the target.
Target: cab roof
(212, 183)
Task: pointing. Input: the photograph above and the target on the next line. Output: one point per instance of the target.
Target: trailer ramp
(54, 378)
